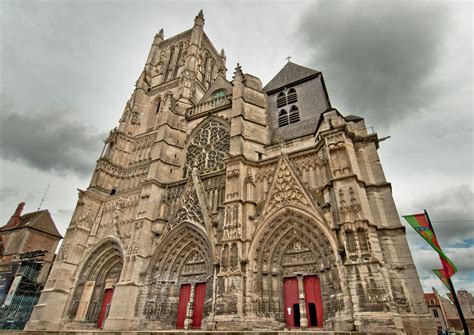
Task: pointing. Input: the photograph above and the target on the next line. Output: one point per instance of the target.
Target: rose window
(209, 148)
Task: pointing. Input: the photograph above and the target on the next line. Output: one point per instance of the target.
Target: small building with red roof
(27, 249)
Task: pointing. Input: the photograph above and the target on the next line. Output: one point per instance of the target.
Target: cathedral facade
(227, 205)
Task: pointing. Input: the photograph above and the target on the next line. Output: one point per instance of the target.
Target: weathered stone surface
(195, 217)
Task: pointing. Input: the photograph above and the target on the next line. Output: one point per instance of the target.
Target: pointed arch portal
(180, 279)
(294, 265)
(95, 285)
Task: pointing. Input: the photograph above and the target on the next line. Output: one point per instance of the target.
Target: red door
(104, 309)
(314, 302)
(290, 289)
(184, 294)
(199, 296)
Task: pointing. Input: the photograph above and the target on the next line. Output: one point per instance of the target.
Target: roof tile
(290, 73)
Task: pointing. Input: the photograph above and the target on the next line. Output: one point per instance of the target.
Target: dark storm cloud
(48, 139)
(377, 56)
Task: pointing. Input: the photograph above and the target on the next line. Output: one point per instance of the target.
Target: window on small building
(282, 118)
(281, 99)
(435, 313)
(113, 191)
(292, 97)
(294, 115)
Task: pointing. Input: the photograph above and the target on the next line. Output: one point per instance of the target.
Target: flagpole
(450, 283)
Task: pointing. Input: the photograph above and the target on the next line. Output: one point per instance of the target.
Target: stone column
(302, 302)
(190, 308)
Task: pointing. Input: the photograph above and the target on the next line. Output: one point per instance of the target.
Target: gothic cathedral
(226, 205)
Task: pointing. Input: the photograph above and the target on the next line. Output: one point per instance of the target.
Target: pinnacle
(201, 14)
(161, 33)
(222, 53)
(238, 71)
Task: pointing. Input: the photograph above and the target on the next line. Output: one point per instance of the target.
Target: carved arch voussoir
(176, 247)
(98, 251)
(100, 261)
(284, 214)
(305, 247)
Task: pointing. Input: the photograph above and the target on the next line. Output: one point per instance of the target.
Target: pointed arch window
(158, 105)
(362, 239)
(350, 242)
(292, 97)
(294, 115)
(281, 99)
(169, 70)
(209, 148)
(282, 118)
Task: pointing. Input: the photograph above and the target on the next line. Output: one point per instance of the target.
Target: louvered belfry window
(294, 115)
(281, 99)
(282, 118)
(292, 97)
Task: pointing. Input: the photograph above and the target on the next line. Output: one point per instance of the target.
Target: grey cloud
(377, 56)
(48, 139)
(7, 192)
(460, 281)
(65, 214)
(426, 259)
(452, 213)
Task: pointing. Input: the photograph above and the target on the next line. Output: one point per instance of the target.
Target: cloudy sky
(68, 67)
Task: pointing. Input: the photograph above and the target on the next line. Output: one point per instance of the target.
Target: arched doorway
(93, 295)
(294, 273)
(179, 289)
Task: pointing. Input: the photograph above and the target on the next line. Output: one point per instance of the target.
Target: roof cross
(288, 58)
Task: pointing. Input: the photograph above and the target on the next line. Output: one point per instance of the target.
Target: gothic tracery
(209, 147)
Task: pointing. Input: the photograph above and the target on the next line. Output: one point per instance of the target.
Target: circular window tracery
(209, 148)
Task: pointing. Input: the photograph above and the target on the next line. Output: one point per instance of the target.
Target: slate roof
(40, 220)
(289, 74)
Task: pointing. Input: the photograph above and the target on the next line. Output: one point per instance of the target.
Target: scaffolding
(23, 293)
